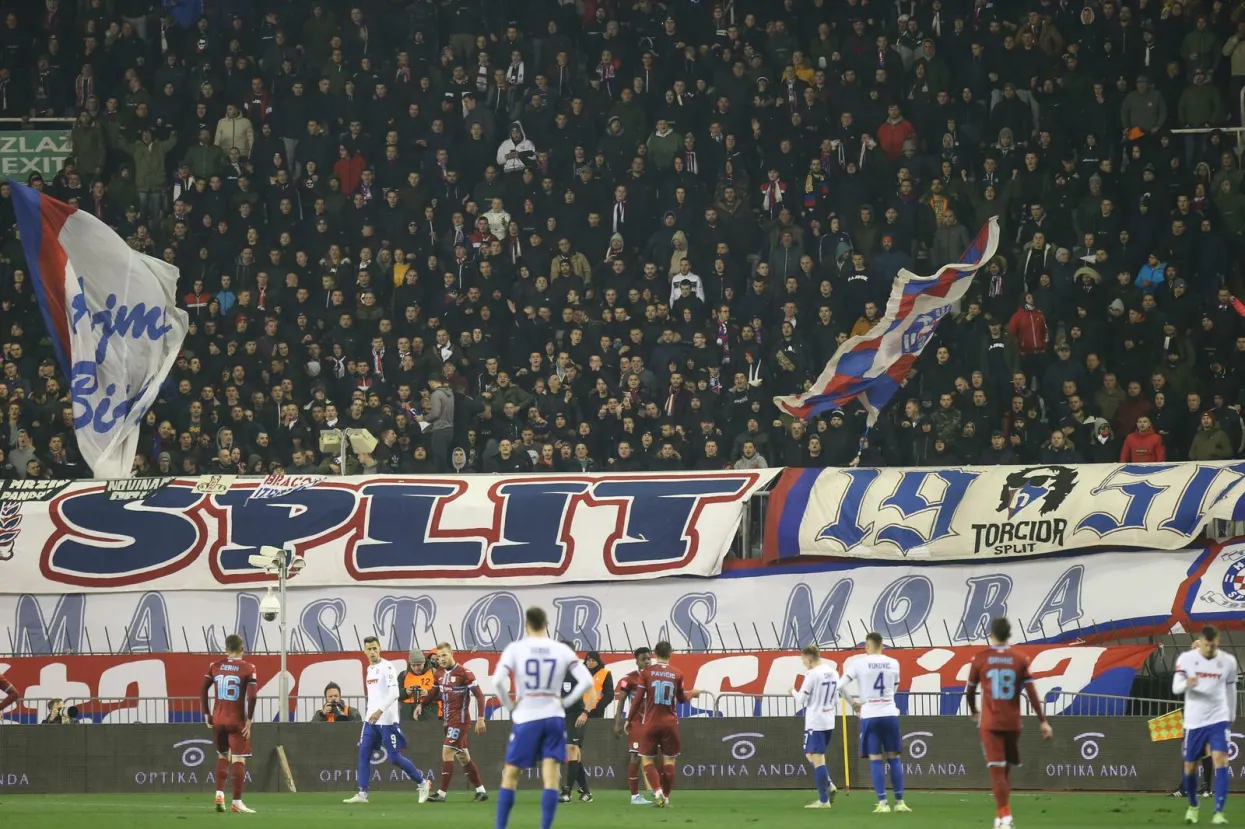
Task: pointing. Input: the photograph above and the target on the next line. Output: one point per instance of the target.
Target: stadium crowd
(602, 234)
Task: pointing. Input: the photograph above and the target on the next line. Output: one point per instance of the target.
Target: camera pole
(285, 641)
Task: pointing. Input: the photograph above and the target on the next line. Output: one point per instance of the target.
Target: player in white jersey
(534, 668)
(818, 696)
(1207, 679)
(876, 677)
(382, 730)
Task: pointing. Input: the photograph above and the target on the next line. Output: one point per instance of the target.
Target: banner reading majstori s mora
(24, 152)
(966, 512)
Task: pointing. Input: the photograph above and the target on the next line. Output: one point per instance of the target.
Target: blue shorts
(880, 735)
(816, 742)
(1196, 740)
(531, 742)
(388, 738)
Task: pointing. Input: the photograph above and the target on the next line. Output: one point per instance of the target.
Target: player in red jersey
(625, 694)
(236, 685)
(11, 694)
(455, 685)
(1003, 673)
(659, 690)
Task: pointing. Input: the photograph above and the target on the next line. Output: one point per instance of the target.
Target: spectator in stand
(478, 246)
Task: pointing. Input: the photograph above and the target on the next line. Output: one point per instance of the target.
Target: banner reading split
(198, 533)
(964, 512)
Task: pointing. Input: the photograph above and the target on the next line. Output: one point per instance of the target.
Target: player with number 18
(1003, 674)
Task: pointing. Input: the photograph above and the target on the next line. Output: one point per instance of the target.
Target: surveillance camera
(270, 607)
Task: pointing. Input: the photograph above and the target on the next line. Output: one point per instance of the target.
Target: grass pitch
(711, 810)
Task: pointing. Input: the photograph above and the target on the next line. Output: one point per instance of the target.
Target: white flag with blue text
(113, 319)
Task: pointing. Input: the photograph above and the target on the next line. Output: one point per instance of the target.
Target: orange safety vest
(423, 682)
(598, 688)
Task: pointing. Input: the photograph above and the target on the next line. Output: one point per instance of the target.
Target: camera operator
(334, 709)
(416, 681)
(58, 714)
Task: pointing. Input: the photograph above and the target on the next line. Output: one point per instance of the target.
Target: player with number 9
(1003, 674)
(235, 685)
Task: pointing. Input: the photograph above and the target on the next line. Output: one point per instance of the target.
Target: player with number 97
(1003, 674)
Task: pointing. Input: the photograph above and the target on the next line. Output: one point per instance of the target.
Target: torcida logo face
(1049, 485)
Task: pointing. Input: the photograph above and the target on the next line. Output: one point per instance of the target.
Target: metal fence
(949, 703)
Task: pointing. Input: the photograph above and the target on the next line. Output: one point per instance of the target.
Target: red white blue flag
(113, 319)
(871, 368)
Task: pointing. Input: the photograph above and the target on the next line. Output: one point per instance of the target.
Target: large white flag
(113, 319)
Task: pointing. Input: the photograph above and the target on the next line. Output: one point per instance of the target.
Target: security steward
(593, 704)
(415, 682)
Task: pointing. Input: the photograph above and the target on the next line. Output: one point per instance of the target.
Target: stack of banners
(974, 512)
(165, 687)
(1087, 753)
(199, 533)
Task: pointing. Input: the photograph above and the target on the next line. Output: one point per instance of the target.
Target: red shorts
(1002, 748)
(456, 736)
(658, 738)
(230, 740)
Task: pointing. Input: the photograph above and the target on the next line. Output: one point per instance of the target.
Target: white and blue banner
(969, 513)
(198, 533)
(113, 319)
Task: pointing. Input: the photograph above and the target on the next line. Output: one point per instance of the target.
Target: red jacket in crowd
(1143, 447)
(1029, 329)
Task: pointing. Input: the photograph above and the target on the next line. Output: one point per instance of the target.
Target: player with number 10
(1003, 674)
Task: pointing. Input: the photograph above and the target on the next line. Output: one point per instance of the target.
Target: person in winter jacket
(1143, 108)
(235, 131)
(1104, 446)
(517, 152)
(1059, 450)
(1210, 443)
(663, 146)
(1150, 277)
(1028, 326)
(1143, 445)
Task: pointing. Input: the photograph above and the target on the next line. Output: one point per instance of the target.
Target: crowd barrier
(1087, 753)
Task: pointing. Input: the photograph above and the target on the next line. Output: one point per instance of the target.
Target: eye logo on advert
(1089, 748)
(918, 748)
(194, 754)
(1233, 748)
(744, 748)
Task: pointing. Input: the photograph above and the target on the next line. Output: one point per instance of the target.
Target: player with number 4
(236, 687)
(876, 678)
(1003, 674)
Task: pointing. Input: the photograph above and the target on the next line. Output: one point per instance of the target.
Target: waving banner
(113, 318)
(969, 512)
(197, 533)
(872, 367)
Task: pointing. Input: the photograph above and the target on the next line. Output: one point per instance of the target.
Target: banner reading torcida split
(973, 512)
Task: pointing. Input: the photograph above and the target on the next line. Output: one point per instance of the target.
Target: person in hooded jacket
(517, 152)
(1104, 446)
